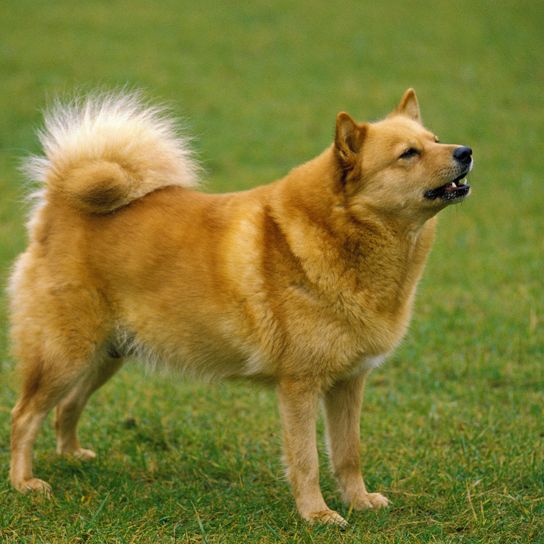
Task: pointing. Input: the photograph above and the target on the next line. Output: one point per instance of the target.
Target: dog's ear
(348, 140)
(409, 106)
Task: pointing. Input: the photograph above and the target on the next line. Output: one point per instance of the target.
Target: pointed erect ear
(349, 138)
(409, 106)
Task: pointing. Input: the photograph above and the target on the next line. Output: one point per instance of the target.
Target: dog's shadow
(144, 460)
(163, 478)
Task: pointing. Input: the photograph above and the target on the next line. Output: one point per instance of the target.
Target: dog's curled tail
(105, 151)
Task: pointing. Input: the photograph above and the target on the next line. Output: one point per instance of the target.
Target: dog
(306, 283)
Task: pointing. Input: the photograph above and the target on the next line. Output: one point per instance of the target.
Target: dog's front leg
(298, 407)
(343, 412)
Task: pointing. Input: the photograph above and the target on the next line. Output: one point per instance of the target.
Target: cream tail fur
(107, 150)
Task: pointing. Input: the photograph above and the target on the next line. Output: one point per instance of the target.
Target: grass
(452, 424)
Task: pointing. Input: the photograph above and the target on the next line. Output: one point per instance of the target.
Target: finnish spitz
(306, 283)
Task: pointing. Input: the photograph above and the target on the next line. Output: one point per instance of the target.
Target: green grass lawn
(453, 424)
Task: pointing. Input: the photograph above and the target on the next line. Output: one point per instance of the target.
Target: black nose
(463, 154)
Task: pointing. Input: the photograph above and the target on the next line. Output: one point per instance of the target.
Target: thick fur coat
(306, 283)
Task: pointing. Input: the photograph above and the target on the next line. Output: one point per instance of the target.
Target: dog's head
(397, 166)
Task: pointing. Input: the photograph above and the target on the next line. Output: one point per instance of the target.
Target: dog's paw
(78, 453)
(84, 454)
(33, 485)
(326, 517)
(366, 501)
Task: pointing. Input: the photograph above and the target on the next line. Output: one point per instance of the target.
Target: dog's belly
(198, 353)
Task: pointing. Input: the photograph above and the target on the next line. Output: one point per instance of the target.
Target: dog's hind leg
(343, 410)
(57, 351)
(70, 407)
(45, 381)
(27, 417)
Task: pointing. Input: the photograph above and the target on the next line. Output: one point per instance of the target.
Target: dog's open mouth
(453, 190)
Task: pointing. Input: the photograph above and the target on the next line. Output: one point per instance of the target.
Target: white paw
(84, 454)
(366, 501)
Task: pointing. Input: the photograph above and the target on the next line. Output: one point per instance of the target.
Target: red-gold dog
(306, 283)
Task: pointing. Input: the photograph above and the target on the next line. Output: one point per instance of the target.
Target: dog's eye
(411, 152)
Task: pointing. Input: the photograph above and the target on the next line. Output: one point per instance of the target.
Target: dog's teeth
(454, 185)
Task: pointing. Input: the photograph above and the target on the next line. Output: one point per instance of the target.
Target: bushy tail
(105, 151)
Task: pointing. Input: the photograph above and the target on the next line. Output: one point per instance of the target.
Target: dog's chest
(364, 364)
